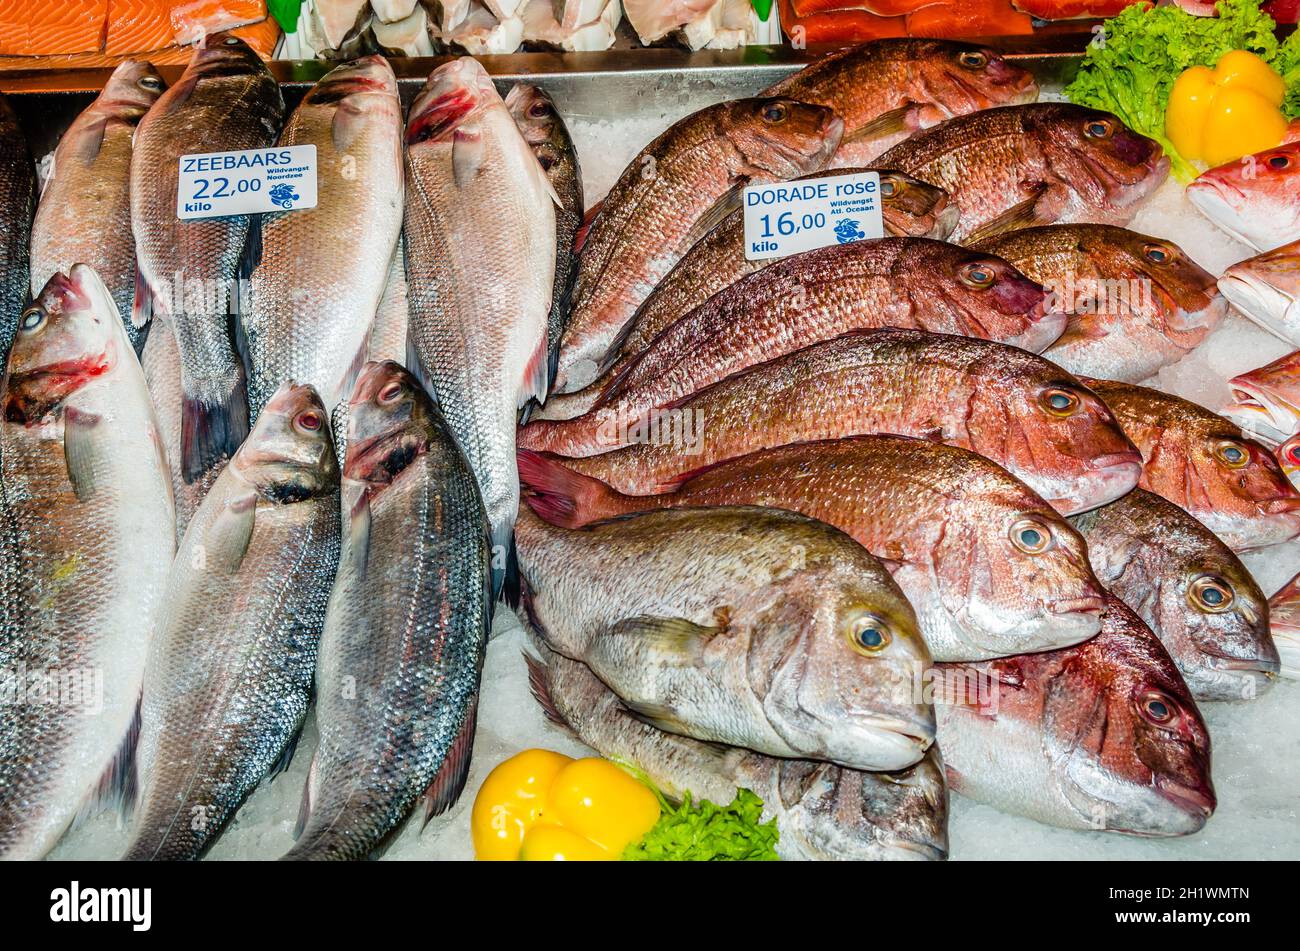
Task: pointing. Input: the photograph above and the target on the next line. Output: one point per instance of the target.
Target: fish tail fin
(563, 497)
(539, 684)
(211, 430)
(117, 787)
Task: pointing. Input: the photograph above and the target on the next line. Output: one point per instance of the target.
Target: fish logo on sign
(847, 230)
(283, 196)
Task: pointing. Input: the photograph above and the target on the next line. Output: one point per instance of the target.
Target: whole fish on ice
(85, 543)
(230, 667)
(990, 568)
(813, 659)
(1253, 199)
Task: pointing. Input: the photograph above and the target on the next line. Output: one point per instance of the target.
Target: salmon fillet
(138, 26)
(193, 19)
(40, 27)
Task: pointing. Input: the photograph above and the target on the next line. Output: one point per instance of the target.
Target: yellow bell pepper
(1218, 115)
(542, 806)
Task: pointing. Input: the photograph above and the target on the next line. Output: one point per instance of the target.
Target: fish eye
(775, 112)
(1231, 454)
(1098, 129)
(1058, 402)
(1157, 253)
(151, 83)
(308, 421)
(1279, 161)
(1157, 708)
(869, 635)
(979, 276)
(890, 186)
(1031, 536)
(231, 41)
(973, 59)
(32, 319)
(540, 109)
(1209, 593)
(1291, 454)
(390, 393)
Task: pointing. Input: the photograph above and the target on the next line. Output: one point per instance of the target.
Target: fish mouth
(945, 222)
(1045, 328)
(912, 850)
(1256, 407)
(898, 742)
(1109, 477)
(1196, 802)
(1258, 300)
(1088, 604)
(1213, 198)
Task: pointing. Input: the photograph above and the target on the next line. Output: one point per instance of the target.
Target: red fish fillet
(42, 27)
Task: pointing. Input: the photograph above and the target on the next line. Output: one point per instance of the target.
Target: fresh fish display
(546, 134)
(1265, 289)
(230, 668)
(816, 659)
(671, 195)
(806, 299)
(1206, 465)
(314, 289)
(1017, 409)
(824, 812)
(479, 285)
(405, 630)
(889, 89)
(1103, 736)
(86, 543)
(990, 568)
(84, 215)
(1190, 588)
(17, 201)
(1037, 164)
(1136, 303)
(1253, 199)
(226, 99)
(1268, 399)
(1284, 621)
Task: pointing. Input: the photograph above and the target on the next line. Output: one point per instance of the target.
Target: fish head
(223, 54)
(1210, 607)
(454, 95)
(1266, 287)
(1052, 432)
(1127, 745)
(1284, 622)
(913, 208)
(1253, 198)
(534, 112)
(389, 421)
(70, 337)
(1014, 575)
(1095, 154)
(951, 79)
(353, 96)
(829, 812)
(835, 654)
(1233, 484)
(781, 138)
(1268, 400)
(289, 455)
(133, 87)
(984, 295)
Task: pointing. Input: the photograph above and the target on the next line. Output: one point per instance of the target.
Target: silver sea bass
(400, 657)
(480, 264)
(321, 271)
(230, 669)
(85, 542)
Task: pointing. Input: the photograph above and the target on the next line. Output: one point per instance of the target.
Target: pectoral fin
(1023, 214)
(677, 640)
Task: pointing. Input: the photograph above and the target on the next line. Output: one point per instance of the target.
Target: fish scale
(316, 288)
(402, 650)
(83, 559)
(230, 667)
(18, 200)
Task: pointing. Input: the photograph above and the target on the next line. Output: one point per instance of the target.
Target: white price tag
(213, 184)
(790, 217)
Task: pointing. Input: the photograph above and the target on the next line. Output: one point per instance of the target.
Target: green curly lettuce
(1130, 68)
(709, 833)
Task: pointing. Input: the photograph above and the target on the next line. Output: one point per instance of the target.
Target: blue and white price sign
(790, 217)
(214, 184)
